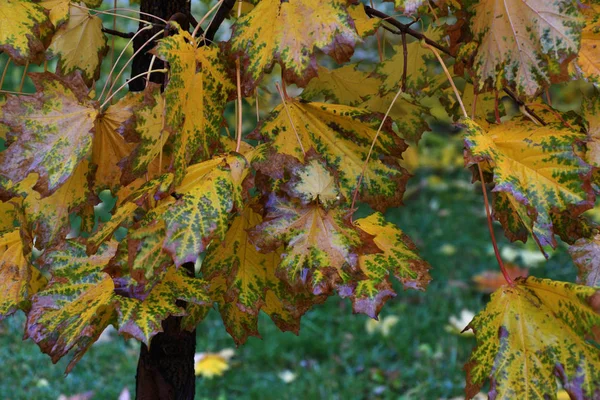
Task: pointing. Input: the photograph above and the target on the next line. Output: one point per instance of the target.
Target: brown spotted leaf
(532, 333)
(52, 132)
(24, 31)
(19, 280)
(76, 306)
(289, 32)
(586, 256)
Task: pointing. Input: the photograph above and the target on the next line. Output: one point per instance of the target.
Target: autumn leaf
(314, 182)
(245, 276)
(80, 45)
(208, 194)
(398, 257)
(320, 245)
(365, 25)
(58, 10)
(47, 218)
(289, 33)
(25, 30)
(530, 334)
(536, 167)
(142, 319)
(76, 306)
(588, 59)
(194, 98)
(346, 85)
(586, 256)
(19, 280)
(122, 216)
(109, 147)
(490, 280)
(408, 7)
(150, 125)
(418, 79)
(516, 38)
(52, 131)
(342, 135)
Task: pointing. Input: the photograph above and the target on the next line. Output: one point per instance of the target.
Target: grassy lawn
(334, 357)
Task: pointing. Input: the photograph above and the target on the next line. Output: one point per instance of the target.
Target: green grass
(334, 357)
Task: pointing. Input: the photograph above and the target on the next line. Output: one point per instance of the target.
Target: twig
(404, 28)
(238, 81)
(491, 229)
(218, 19)
(23, 77)
(126, 35)
(405, 66)
(4, 72)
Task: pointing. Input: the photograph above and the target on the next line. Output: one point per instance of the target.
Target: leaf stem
(4, 72)
(491, 229)
(238, 82)
(212, 10)
(108, 12)
(163, 70)
(112, 70)
(364, 168)
(437, 54)
(23, 77)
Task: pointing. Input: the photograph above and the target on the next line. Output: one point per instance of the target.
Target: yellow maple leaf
(58, 10)
(289, 33)
(210, 365)
(514, 36)
(588, 59)
(533, 332)
(80, 44)
(25, 29)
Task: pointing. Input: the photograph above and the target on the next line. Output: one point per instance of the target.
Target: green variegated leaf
(76, 306)
(19, 280)
(52, 131)
(142, 319)
(195, 97)
(289, 33)
(208, 194)
(524, 42)
(147, 259)
(532, 333)
(398, 258)
(25, 30)
(538, 167)
(346, 85)
(320, 244)
(123, 216)
(80, 44)
(342, 135)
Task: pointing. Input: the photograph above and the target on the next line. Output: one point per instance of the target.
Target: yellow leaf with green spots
(365, 25)
(153, 133)
(80, 45)
(142, 319)
(398, 258)
(25, 30)
(58, 10)
(479, 106)
(406, 113)
(289, 33)
(245, 275)
(52, 131)
(19, 280)
(588, 59)
(47, 218)
(76, 306)
(342, 135)
(532, 333)
(123, 216)
(517, 38)
(320, 245)
(8, 216)
(194, 98)
(207, 197)
(418, 79)
(109, 147)
(537, 166)
(346, 85)
(591, 115)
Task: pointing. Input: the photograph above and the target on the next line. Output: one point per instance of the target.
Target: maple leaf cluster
(267, 218)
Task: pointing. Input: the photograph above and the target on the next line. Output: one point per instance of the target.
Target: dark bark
(164, 9)
(165, 371)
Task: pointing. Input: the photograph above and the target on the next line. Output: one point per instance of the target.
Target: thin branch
(4, 72)
(491, 229)
(404, 28)
(198, 26)
(238, 81)
(218, 19)
(23, 77)
(126, 35)
(405, 66)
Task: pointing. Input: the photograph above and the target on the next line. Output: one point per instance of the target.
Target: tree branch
(220, 16)
(126, 35)
(405, 29)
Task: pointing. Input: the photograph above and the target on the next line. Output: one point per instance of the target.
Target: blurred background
(414, 351)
